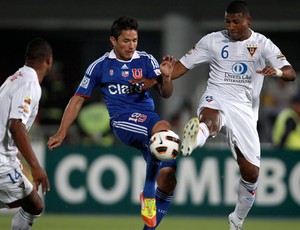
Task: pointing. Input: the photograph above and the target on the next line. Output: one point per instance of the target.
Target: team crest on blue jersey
(111, 72)
(137, 73)
(209, 98)
(125, 73)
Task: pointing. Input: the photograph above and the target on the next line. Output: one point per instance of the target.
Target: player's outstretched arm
(165, 85)
(178, 69)
(70, 114)
(287, 73)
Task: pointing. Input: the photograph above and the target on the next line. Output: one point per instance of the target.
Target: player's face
(237, 26)
(125, 45)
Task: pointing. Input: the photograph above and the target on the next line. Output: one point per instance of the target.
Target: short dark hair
(123, 23)
(38, 49)
(238, 6)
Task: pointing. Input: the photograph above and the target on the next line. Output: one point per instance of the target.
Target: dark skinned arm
(21, 139)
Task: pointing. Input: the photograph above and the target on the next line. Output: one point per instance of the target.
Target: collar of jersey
(112, 55)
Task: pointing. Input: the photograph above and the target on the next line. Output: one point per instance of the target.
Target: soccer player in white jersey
(19, 101)
(131, 110)
(239, 60)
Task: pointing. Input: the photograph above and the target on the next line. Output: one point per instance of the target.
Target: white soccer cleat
(189, 139)
(234, 226)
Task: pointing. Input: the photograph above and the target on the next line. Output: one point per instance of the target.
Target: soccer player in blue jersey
(131, 110)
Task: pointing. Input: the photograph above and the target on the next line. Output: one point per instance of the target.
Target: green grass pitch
(86, 222)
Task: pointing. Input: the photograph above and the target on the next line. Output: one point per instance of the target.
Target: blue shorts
(134, 129)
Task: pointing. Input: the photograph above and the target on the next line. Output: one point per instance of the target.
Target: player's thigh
(249, 171)
(134, 129)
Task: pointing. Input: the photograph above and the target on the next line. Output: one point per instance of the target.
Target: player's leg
(148, 195)
(166, 183)
(18, 192)
(31, 208)
(246, 191)
(196, 131)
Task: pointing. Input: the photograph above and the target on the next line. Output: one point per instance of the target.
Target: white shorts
(238, 124)
(14, 185)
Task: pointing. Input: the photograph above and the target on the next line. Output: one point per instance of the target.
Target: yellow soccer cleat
(148, 210)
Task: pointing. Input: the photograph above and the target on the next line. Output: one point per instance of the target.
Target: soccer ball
(164, 145)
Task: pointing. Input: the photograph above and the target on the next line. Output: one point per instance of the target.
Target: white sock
(246, 198)
(202, 135)
(22, 220)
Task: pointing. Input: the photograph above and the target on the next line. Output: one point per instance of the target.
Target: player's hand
(55, 141)
(143, 83)
(267, 71)
(167, 65)
(40, 178)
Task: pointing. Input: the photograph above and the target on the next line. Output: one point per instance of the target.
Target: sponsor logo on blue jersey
(123, 89)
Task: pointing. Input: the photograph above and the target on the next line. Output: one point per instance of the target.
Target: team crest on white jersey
(252, 48)
(209, 98)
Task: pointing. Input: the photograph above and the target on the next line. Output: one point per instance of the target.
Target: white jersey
(233, 65)
(19, 99)
(233, 85)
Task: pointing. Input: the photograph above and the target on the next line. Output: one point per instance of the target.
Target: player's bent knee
(161, 125)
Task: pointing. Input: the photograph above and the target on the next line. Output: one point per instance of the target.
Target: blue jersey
(112, 77)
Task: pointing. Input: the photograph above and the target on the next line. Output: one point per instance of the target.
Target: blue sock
(153, 166)
(163, 202)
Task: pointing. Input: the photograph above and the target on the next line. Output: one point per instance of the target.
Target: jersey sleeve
(273, 55)
(198, 54)
(87, 83)
(25, 101)
(153, 67)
